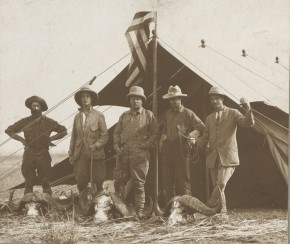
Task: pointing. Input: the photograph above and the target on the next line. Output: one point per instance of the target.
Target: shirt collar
(221, 110)
(38, 118)
(139, 111)
(81, 109)
(180, 109)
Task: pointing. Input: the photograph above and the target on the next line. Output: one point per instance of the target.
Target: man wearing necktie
(219, 140)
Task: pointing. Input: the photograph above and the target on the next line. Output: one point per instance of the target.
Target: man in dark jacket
(37, 129)
(89, 136)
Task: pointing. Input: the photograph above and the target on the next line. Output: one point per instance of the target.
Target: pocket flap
(94, 128)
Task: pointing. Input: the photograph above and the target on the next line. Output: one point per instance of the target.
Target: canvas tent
(261, 179)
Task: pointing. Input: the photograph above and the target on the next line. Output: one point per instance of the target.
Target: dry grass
(243, 226)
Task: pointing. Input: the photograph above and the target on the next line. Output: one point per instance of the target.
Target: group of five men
(135, 134)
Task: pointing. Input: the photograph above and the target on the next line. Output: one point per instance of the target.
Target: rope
(6, 174)
(198, 68)
(237, 100)
(168, 80)
(252, 88)
(70, 95)
(246, 68)
(284, 66)
(33, 139)
(257, 60)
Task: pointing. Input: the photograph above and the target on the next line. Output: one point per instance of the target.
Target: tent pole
(207, 196)
(156, 208)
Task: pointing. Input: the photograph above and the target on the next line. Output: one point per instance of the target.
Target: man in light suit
(219, 139)
(89, 136)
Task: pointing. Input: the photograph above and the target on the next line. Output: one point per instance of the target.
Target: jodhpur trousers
(133, 164)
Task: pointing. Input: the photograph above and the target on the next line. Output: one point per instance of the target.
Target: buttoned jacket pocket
(94, 132)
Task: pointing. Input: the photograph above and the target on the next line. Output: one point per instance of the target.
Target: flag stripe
(135, 56)
(139, 49)
(135, 76)
(137, 36)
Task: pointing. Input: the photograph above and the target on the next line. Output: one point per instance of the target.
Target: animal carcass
(34, 203)
(181, 208)
(103, 206)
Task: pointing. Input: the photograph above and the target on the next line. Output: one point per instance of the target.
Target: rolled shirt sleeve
(16, 127)
(197, 125)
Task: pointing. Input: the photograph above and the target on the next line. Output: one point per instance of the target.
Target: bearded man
(37, 129)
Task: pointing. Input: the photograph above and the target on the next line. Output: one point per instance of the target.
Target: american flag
(138, 35)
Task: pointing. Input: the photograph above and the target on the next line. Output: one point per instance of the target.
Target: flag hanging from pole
(138, 36)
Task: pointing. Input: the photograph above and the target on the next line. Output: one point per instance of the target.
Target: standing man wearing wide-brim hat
(37, 129)
(135, 133)
(89, 136)
(179, 123)
(219, 140)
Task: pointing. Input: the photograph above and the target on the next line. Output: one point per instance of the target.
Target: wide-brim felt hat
(41, 101)
(174, 91)
(215, 90)
(94, 96)
(137, 91)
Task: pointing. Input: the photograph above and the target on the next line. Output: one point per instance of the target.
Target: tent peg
(244, 53)
(202, 43)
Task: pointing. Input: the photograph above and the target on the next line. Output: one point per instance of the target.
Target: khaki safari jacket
(94, 132)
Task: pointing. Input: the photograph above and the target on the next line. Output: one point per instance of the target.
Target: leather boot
(28, 188)
(46, 189)
(139, 203)
(140, 214)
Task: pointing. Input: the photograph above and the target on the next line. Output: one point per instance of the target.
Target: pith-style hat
(93, 94)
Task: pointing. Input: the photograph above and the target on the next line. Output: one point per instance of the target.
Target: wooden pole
(156, 208)
(207, 196)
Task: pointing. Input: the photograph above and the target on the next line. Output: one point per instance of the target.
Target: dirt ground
(243, 226)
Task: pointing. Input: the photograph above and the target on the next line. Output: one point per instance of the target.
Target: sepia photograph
(144, 121)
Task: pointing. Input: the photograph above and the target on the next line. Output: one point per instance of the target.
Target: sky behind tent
(50, 48)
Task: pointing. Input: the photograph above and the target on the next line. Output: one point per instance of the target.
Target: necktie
(218, 118)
